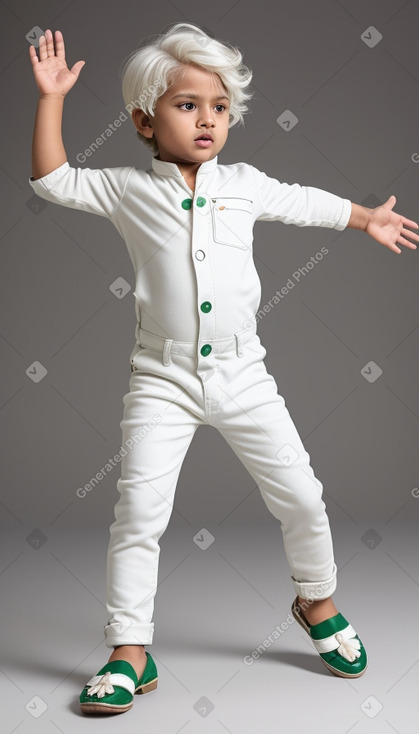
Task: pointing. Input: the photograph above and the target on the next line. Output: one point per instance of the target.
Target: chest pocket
(232, 221)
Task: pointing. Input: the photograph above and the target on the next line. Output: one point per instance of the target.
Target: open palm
(388, 227)
(51, 72)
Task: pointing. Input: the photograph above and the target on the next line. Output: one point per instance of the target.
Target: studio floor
(213, 609)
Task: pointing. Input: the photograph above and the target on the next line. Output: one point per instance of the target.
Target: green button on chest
(206, 306)
(201, 201)
(206, 349)
(186, 203)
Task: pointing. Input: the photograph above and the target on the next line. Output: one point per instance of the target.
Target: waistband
(190, 349)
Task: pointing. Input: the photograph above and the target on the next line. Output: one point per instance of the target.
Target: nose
(206, 118)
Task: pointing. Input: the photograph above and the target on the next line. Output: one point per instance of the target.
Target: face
(195, 104)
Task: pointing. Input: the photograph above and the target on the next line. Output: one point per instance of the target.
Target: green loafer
(336, 642)
(112, 689)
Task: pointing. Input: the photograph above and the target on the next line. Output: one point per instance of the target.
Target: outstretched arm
(384, 225)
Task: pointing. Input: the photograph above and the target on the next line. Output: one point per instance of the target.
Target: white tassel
(348, 648)
(103, 687)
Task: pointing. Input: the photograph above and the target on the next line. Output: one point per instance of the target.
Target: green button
(206, 306)
(201, 201)
(187, 203)
(206, 349)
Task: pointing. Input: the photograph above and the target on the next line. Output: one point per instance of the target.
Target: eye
(183, 104)
(223, 107)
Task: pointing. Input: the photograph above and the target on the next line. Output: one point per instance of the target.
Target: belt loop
(239, 347)
(166, 352)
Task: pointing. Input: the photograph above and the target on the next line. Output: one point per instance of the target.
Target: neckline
(168, 168)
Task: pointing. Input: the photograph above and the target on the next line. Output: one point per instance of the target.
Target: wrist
(52, 95)
(360, 216)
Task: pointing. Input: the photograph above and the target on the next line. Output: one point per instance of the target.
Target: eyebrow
(196, 96)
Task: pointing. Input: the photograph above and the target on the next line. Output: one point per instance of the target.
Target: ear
(142, 122)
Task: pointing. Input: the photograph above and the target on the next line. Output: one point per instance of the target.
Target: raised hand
(52, 75)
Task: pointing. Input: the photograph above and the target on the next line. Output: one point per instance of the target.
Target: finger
(76, 69)
(59, 45)
(33, 54)
(394, 248)
(410, 223)
(50, 43)
(403, 241)
(408, 233)
(42, 47)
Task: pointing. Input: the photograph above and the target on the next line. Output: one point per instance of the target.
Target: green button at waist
(206, 306)
(187, 203)
(201, 201)
(206, 349)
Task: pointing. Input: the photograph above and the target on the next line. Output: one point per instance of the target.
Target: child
(187, 222)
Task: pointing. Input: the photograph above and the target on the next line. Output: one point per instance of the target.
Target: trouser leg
(159, 429)
(258, 427)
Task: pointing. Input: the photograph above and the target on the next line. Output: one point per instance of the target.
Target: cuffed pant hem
(137, 634)
(316, 589)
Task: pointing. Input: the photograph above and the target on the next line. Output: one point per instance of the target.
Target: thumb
(388, 204)
(76, 69)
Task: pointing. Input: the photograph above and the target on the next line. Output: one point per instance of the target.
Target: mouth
(204, 141)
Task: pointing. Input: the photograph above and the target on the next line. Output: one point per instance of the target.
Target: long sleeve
(300, 205)
(93, 190)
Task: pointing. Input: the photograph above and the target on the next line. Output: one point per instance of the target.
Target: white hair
(149, 70)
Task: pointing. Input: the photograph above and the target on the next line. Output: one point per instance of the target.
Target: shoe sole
(303, 624)
(108, 708)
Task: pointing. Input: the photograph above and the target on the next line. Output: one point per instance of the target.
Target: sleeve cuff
(50, 179)
(345, 214)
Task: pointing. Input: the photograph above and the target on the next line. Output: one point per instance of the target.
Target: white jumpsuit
(197, 359)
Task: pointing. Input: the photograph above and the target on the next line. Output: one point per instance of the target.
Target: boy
(187, 222)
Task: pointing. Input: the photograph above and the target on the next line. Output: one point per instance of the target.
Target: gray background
(357, 136)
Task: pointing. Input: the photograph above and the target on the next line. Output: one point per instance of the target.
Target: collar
(166, 168)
